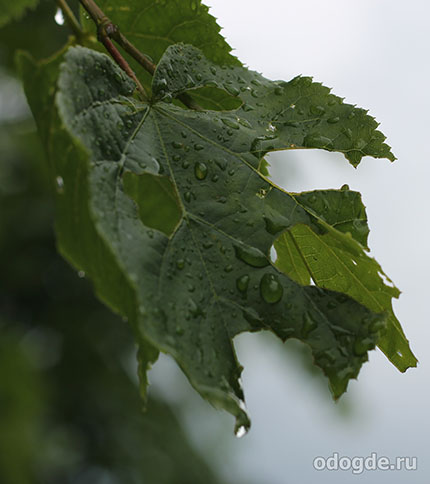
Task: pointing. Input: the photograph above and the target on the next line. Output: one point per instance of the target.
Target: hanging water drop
(59, 17)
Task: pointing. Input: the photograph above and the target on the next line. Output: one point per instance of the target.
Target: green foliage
(13, 10)
(170, 212)
(335, 260)
(69, 406)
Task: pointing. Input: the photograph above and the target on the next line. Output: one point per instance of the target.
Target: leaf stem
(107, 30)
(70, 18)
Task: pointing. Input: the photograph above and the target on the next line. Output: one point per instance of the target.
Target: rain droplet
(198, 147)
(240, 432)
(309, 324)
(271, 289)
(333, 120)
(180, 264)
(344, 187)
(59, 17)
(317, 141)
(81, 274)
(230, 123)
(228, 268)
(200, 171)
(251, 256)
(242, 283)
(317, 110)
(234, 91)
(177, 145)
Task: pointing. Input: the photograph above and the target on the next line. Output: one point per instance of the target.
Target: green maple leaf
(190, 282)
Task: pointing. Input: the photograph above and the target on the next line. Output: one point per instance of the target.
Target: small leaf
(335, 260)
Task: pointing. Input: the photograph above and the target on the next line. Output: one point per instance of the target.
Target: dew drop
(344, 187)
(230, 123)
(228, 268)
(251, 256)
(234, 91)
(81, 274)
(177, 145)
(333, 120)
(309, 324)
(317, 110)
(317, 141)
(200, 171)
(198, 147)
(180, 264)
(240, 432)
(271, 289)
(242, 283)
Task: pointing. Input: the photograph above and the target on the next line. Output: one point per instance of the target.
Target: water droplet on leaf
(271, 289)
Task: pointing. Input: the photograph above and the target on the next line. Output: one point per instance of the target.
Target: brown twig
(107, 30)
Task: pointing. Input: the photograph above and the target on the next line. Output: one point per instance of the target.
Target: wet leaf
(335, 260)
(189, 286)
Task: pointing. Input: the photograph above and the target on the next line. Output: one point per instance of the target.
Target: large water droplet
(251, 256)
(271, 289)
(200, 171)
